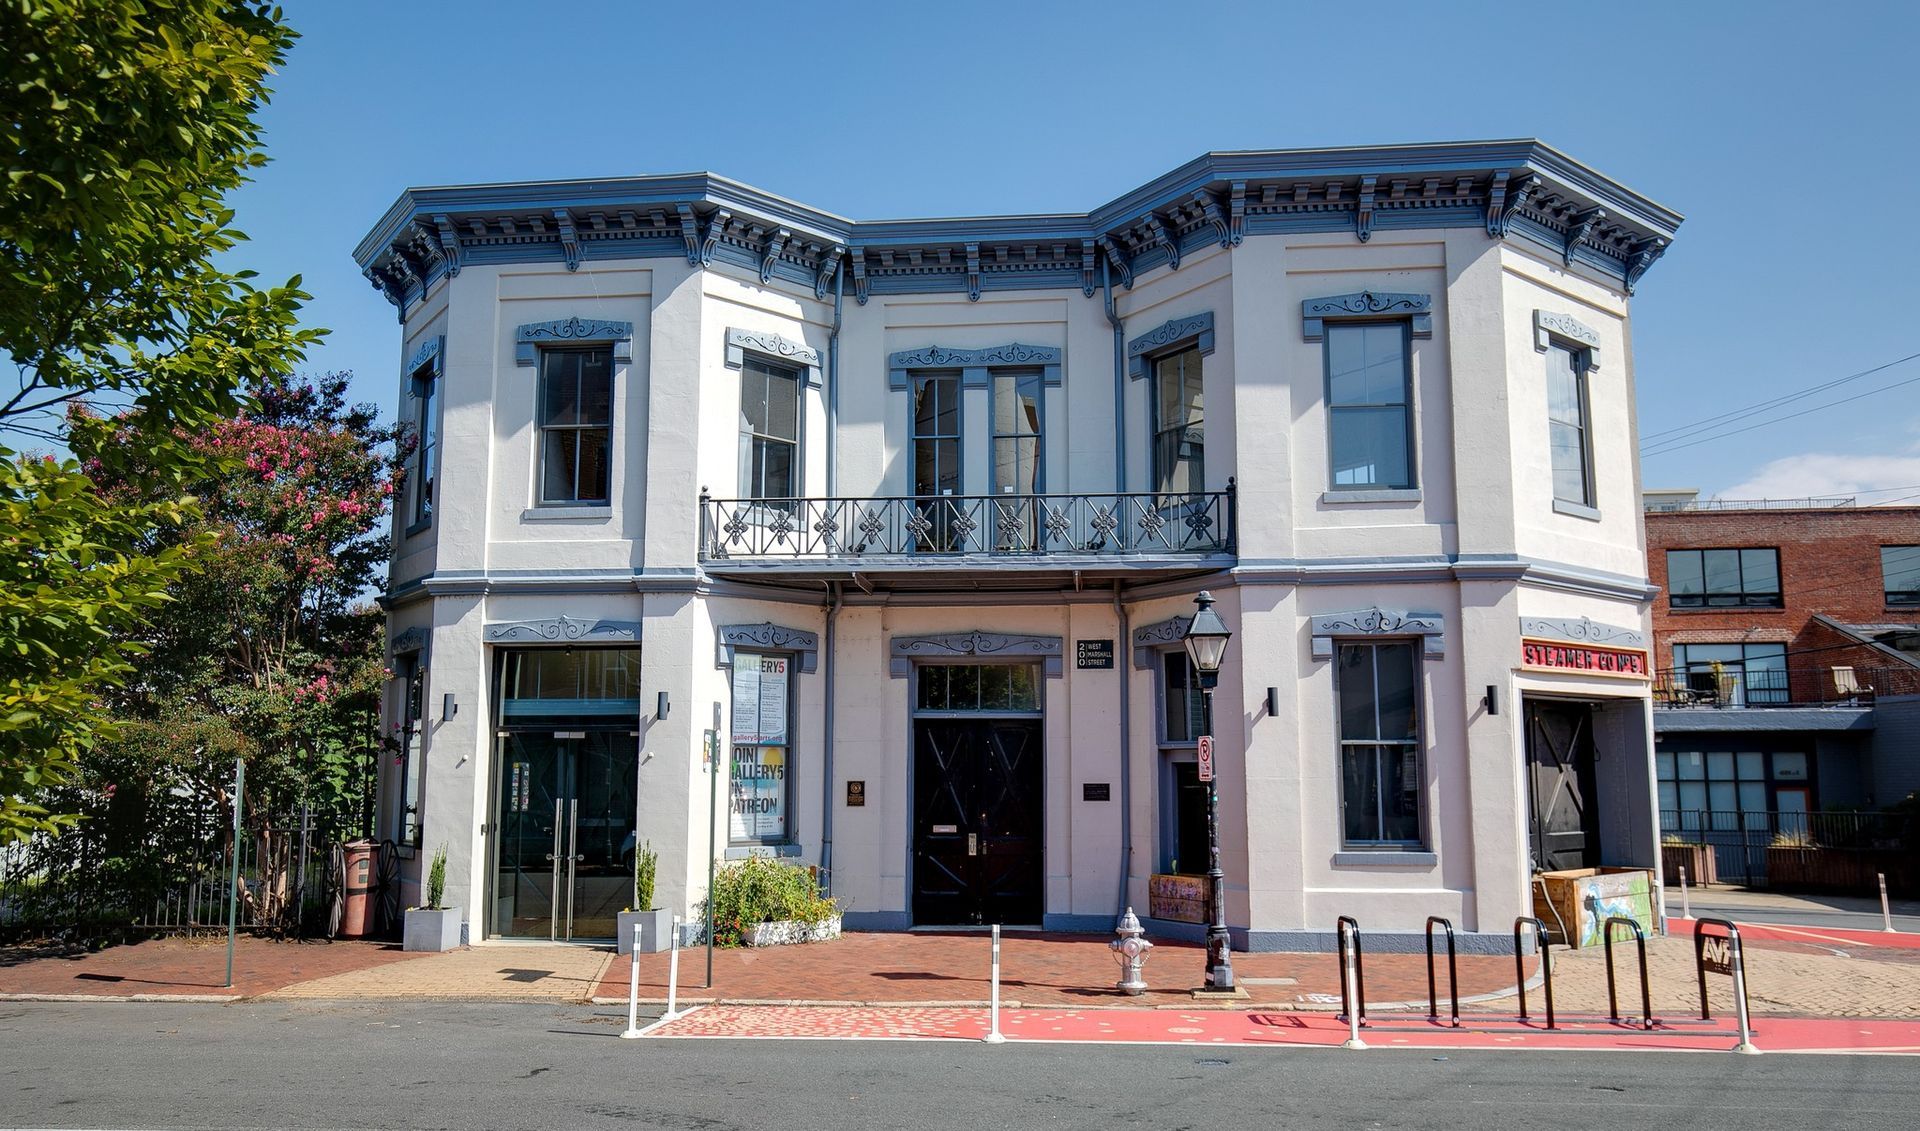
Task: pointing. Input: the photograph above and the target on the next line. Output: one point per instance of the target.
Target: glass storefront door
(565, 835)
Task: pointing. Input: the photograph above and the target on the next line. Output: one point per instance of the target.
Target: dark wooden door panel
(1560, 786)
(979, 785)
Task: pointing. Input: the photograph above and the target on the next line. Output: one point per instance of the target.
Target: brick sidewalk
(197, 966)
(1036, 969)
(480, 973)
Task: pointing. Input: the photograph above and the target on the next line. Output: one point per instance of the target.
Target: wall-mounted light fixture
(1493, 699)
(1273, 702)
(662, 707)
(449, 707)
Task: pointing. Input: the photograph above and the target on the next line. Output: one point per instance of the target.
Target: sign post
(1205, 751)
(233, 886)
(712, 751)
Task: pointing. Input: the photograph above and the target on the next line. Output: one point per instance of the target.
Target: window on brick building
(1900, 566)
(1724, 579)
(1736, 674)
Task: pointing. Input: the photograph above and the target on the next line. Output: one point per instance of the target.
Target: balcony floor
(971, 572)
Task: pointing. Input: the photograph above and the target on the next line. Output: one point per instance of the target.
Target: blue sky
(1785, 133)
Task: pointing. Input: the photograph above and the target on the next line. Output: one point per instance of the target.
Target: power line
(1670, 447)
(1738, 413)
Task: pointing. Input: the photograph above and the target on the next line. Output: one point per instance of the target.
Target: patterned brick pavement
(188, 967)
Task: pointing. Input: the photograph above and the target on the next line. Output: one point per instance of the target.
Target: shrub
(1792, 838)
(760, 890)
(646, 865)
(437, 879)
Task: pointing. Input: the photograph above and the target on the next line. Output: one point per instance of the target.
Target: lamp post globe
(1206, 643)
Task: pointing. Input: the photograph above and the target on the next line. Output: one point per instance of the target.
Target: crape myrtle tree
(269, 649)
(126, 124)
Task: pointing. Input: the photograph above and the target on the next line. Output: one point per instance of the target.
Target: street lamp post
(1206, 644)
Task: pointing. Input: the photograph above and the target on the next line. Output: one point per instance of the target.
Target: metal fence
(1834, 851)
(1735, 685)
(173, 875)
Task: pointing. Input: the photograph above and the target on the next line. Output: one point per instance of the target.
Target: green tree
(127, 122)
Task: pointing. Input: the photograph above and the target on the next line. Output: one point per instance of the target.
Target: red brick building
(1787, 649)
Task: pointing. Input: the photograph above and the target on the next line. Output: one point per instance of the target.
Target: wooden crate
(1575, 904)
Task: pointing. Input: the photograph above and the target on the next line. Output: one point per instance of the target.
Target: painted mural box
(1576, 904)
(1178, 898)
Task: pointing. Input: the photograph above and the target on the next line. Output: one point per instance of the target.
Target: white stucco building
(908, 515)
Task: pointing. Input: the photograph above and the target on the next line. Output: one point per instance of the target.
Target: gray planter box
(787, 932)
(431, 930)
(656, 928)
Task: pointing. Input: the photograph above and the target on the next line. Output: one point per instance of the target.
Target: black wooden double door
(978, 788)
(1560, 785)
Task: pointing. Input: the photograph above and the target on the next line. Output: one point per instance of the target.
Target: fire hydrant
(1130, 951)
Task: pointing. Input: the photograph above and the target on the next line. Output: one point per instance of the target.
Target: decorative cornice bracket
(775, 243)
(1086, 267)
(1119, 260)
(1159, 235)
(689, 232)
(449, 242)
(1363, 215)
(716, 228)
(1237, 214)
(569, 238)
(829, 265)
(1209, 206)
(1642, 258)
(973, 272)
(1516, 194)
(860, 276)
(1578, 229)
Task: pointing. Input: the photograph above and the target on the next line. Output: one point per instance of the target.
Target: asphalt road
(1854, 914)
(255, 1065)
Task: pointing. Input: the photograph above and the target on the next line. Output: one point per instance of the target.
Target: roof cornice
(1517, 188)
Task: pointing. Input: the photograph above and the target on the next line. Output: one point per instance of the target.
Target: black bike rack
(1646, 990)
(1453, 973)
(1347, 1005)
(1700, 959)
(1546, 964)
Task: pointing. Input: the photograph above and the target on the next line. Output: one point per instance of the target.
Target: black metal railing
(1734, 685)
(1105, 525)
(1740, 842)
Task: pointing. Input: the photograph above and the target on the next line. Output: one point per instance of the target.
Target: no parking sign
(1206, 757)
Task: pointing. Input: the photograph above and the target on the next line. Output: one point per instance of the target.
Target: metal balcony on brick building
(995, 540)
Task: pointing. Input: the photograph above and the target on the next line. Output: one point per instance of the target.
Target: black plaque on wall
(1094, 655)
(1096, 791)
(856, 794)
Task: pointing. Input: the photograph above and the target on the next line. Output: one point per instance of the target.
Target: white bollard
(994, 1036)
(1746, 1044)
(633, 990)
(1886, 912)
(1686, 905)
(673, 973)
(1353, 1040)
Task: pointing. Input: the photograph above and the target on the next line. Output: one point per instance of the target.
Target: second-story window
(1900, 571)
(576, 426)
(423, 462)
(1179, 424)
(1369, 405)
(1723, 579)
(936, 435)
(769, 431)
(1016, 433)
(1567, 431)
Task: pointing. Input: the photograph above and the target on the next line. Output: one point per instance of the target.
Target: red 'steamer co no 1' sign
(1206, 757)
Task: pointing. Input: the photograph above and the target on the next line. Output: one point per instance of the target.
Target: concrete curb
(195, 999)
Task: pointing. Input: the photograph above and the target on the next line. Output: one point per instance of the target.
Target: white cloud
(1819, 474)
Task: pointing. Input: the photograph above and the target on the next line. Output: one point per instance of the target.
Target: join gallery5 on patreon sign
(758, 808)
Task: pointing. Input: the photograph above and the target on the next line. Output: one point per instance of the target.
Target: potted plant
(762, 902)
(433, 927)
(1698, 859)
(654, 922)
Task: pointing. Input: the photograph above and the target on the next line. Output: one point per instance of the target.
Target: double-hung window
(769, 431)
(936, 457)
(1568, 433)
(1370, 405)
(1179, 424)
(1724, 579)
(1017, 447)
(1900, 571)
(423, 462)
(1377, 686)
(576, 426)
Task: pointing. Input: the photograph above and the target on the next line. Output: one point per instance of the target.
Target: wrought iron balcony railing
(1109, 525)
